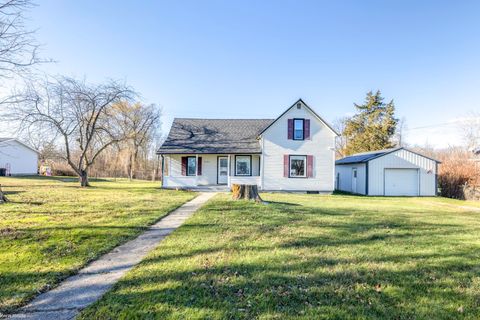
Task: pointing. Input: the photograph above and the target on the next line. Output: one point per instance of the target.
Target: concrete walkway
(77, 292)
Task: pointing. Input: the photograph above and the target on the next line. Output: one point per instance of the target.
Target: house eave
(193, 152)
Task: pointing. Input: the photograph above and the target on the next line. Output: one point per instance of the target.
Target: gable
(12, 143)
(300, 110)
(372, 155)
(406, 157)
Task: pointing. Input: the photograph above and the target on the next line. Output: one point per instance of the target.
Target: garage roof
(367, 156)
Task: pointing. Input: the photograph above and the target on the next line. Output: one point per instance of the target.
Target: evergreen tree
(372, 128)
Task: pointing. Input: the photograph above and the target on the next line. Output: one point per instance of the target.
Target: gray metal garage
(390, 172)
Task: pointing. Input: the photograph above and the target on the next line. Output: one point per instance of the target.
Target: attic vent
(299, 105)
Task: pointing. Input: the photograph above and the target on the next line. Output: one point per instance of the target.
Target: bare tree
(399, 136)
(18, 47)
(82, 116)
(141, 123)
(470, 128)
(341, 140)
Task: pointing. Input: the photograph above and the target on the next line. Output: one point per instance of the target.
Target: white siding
(245, 180)
(344, 172)
(174, 177)
(276, 144)
(402, 159)
(209, 170)
(22, 160)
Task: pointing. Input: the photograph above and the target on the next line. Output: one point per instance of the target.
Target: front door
(354, 180)
(222, 170)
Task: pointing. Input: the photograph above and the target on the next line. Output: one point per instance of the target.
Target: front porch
(211, 171)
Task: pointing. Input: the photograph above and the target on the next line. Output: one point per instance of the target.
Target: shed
(17, 158)
(389, 172)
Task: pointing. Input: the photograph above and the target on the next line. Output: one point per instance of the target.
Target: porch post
(163, 171)
(228, 174)
(261, 171)
(262, 162)
(196, 169)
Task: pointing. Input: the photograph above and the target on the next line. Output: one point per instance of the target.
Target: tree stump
(3, 197)
(245, 191)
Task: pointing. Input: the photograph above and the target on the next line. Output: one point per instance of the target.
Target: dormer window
(298, 129)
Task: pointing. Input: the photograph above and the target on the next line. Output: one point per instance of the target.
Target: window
(298, 166)
(243, 165)
(298, 129)
(191, 166)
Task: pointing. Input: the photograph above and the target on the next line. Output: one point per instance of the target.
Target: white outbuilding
(390, 172)
(17, 158)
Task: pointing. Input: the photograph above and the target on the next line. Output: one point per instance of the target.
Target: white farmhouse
(17, 158)
(390, 172)
(294, 152)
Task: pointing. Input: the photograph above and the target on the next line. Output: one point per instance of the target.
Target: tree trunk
(84, 179)
(134, 164)
(245, 191)
(3, 198)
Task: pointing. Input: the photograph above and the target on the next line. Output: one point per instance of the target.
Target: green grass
(309, 257)
(52, 227)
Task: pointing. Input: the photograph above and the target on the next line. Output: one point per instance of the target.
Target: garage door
(401, 182)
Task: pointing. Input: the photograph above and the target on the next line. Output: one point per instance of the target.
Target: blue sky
(252, 59)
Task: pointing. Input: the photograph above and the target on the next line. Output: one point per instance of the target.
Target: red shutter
(309, 166)
(285, 165)
(290, 129)
(307, 129)
(199, 164)
(184, 166)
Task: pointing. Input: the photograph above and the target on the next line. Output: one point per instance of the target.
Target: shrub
(457, 172)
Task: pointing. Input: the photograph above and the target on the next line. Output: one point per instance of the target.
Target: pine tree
(372, 128)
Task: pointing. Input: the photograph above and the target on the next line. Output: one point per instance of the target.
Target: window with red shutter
(290, 129)
(199, 164)
(307, 129)
(286, 165)
(309, 166)
(184, 166)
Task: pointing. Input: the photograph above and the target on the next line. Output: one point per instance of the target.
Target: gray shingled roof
(214, 136)
(365, 156)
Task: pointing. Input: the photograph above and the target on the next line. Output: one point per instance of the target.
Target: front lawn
(311, 257)
(52, 227)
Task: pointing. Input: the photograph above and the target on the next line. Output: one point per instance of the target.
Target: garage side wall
(344, 178)
(22, 160)
(402, 159)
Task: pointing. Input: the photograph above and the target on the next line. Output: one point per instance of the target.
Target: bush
(63, 169)
(457, 172)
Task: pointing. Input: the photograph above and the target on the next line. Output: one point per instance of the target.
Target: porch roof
(207, 136)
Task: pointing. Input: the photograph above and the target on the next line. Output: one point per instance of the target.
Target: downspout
(436, 178)
(163, 165)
